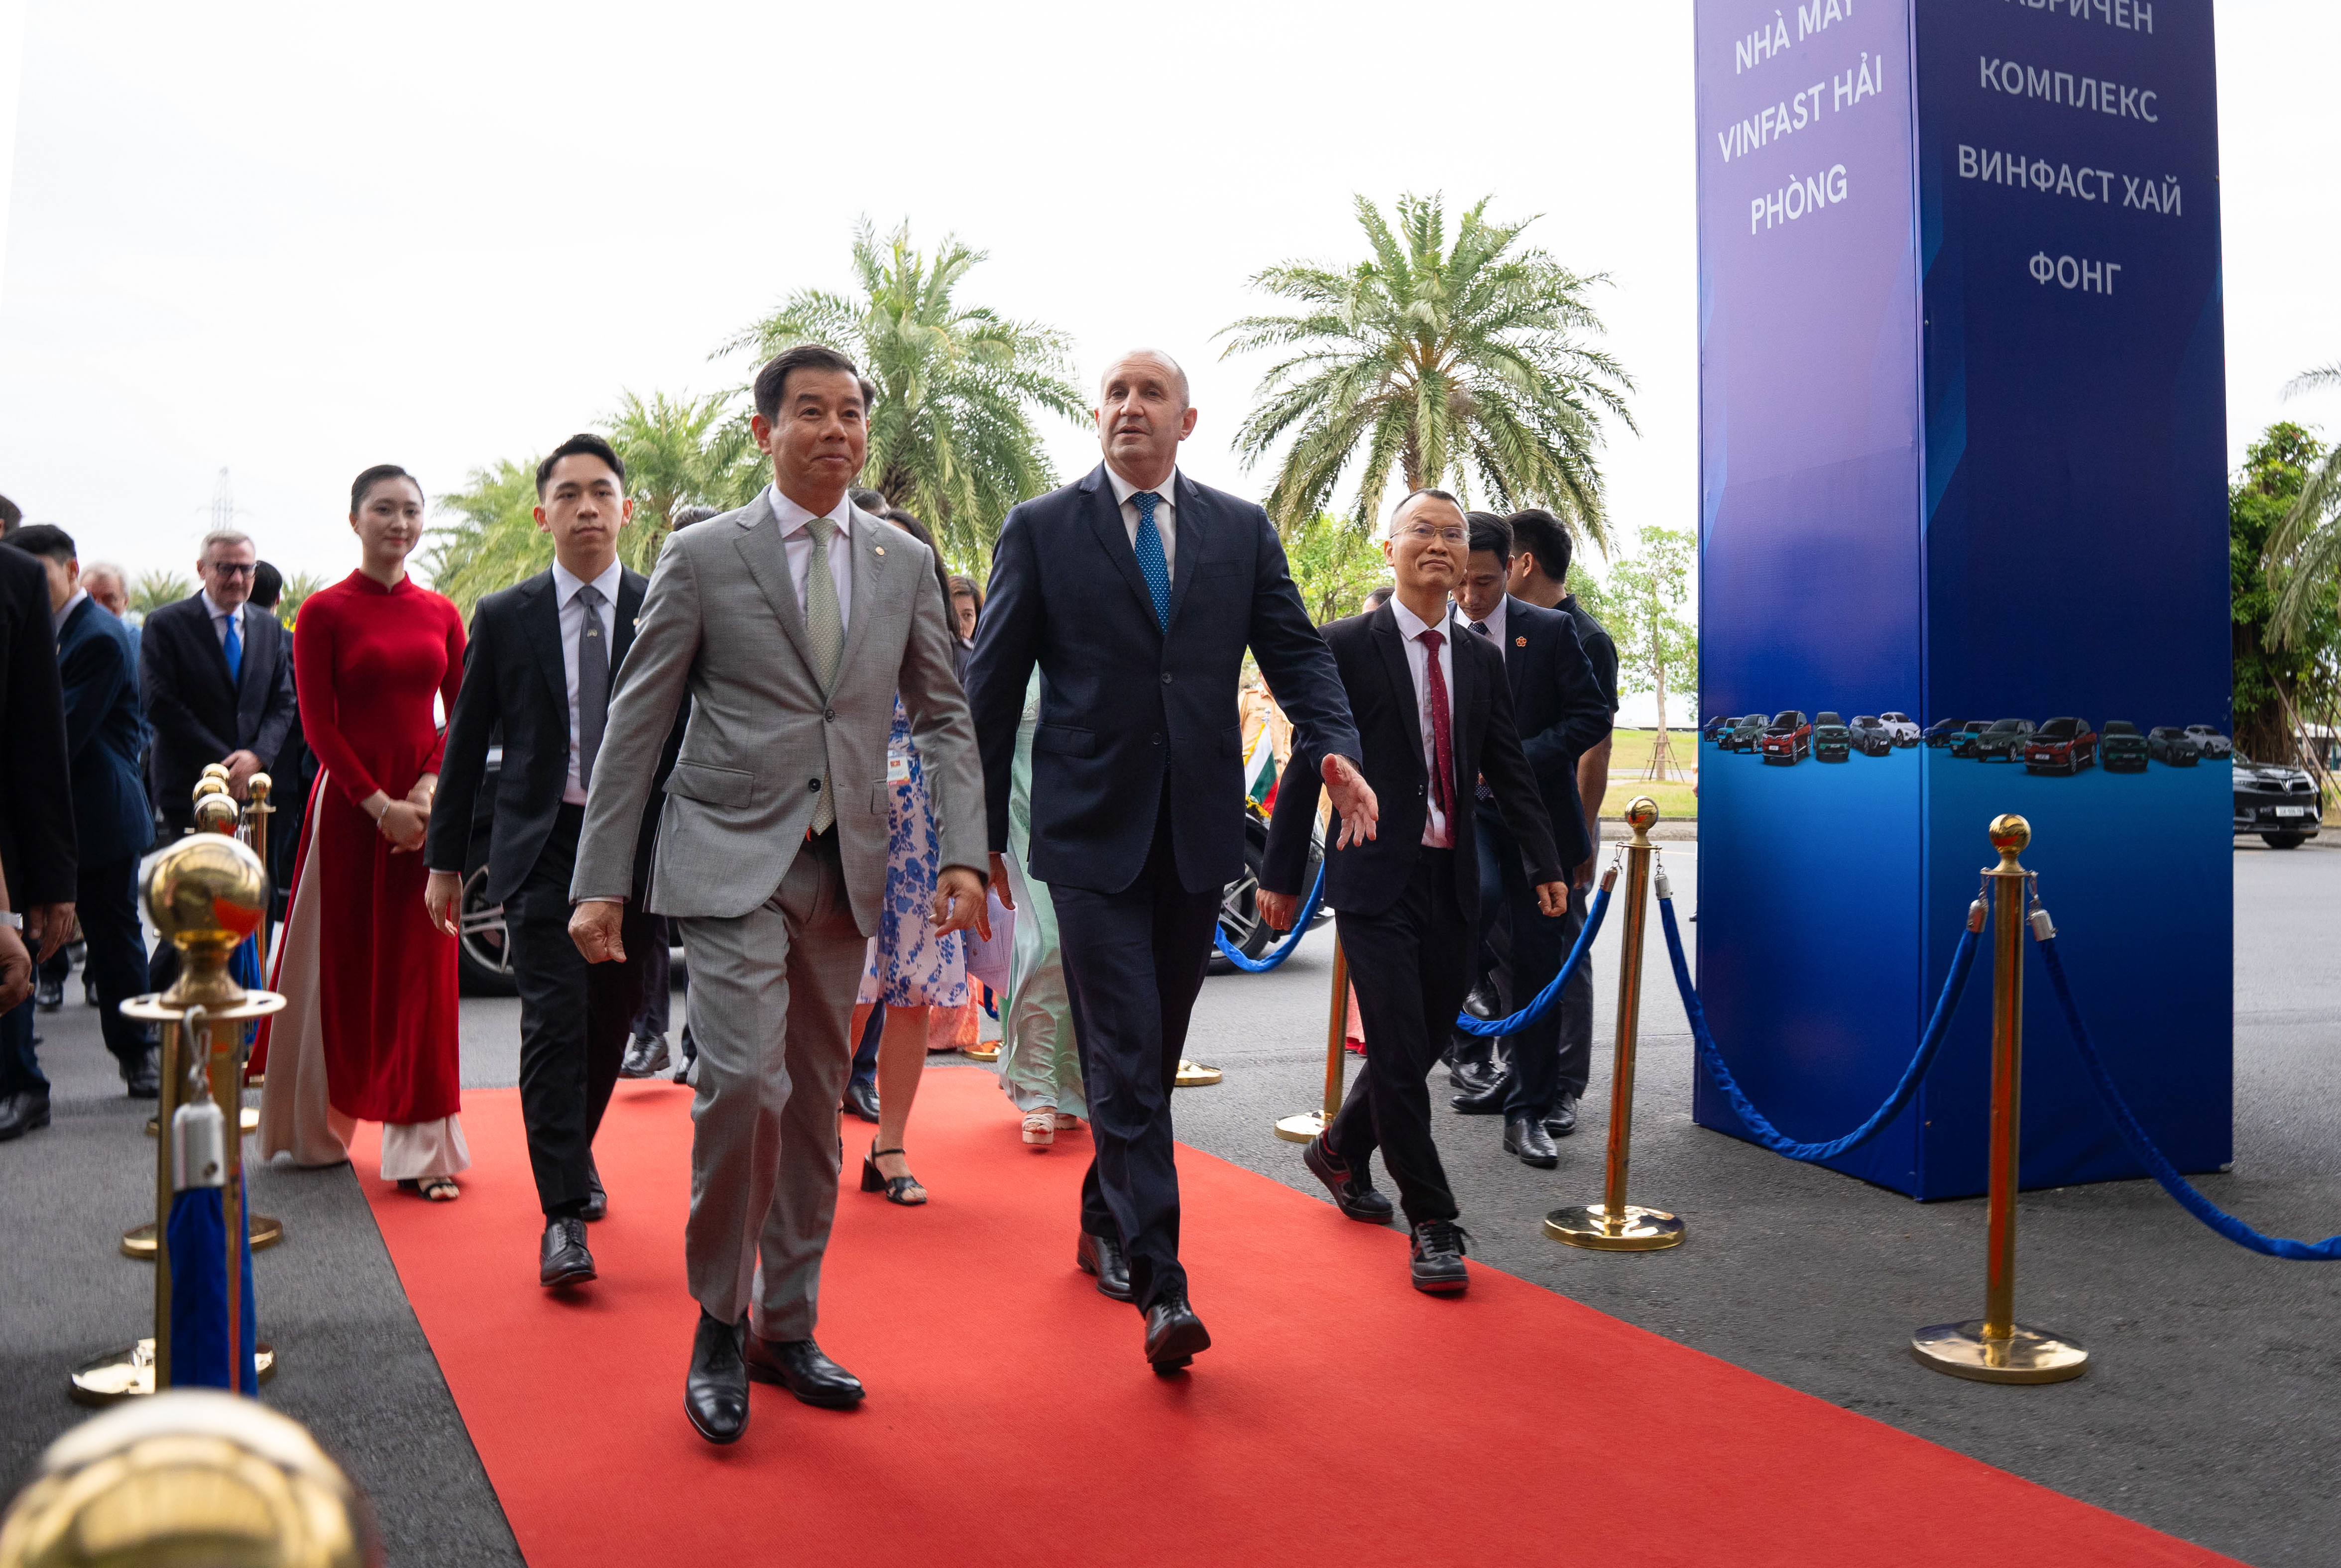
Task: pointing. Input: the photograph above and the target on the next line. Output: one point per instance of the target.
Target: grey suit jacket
(720, 623)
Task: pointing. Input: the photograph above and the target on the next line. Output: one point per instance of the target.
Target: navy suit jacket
(98, 663)
(1127, 710)
(517, 689)
(1561, 708)
(1367, 878)
(38, 854)
(198, 714)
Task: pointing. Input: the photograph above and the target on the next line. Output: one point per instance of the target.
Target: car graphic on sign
(2209, 743)
(2004, 739)
(2061, 746)
(1872, 737)
(2170, 745)
(1944, 732)
(1789, 739)
(1901, 728)
(1832, 738)
(2121, 749)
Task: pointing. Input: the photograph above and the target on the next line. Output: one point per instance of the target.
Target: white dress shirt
(798, 541)
(1494, 623)
(64, 613)
(1166, 515)
(1411, 626)
(220, 617)
(565, 584)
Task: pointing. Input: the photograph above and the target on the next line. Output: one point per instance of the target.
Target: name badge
(898, 769)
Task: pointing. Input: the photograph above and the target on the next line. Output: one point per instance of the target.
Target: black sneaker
(1353, 1191)
(1437, 1259)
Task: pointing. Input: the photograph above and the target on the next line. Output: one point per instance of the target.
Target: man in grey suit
(791, 624)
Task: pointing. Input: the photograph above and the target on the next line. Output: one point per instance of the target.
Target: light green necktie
(825, 624)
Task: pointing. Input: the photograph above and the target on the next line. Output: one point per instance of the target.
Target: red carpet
(1012, 1419)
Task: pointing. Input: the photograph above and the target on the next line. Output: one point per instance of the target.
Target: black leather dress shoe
(144, 1081)
(1101, 1255)
(799, 1366)
(1485, 1102)
(1474, 1078)
(597, 1202)
(562, 1257)
(715, 1391)
(1526, 1136)
(646, 1057)
(1174, 1334)
(1483, 1002)
(48, 995)
(1436, 1257)
(862, 1098)
(690, 1057)
(1353, 1191)
(1562, 1119)
(27, 1110)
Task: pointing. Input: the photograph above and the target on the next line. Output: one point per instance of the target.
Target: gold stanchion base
(1303, 1128)
(2028, 1355)
(1196, 1075)
(1639, 1229)
(138, 1241)
(129, 1372)
(987, 1051)
(249, 1122)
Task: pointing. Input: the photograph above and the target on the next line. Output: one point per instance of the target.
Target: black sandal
(896, 1188)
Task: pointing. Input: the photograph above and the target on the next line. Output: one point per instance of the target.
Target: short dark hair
(11, 514)
(682, 517)
(772, 380)
(379, 473)
(268, 586)
(584, 443)
(1378, 597)
(1490, 533)
(871, 502)
(45, 539)
(1536, 531)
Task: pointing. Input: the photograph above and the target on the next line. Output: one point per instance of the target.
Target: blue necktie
(1156, 570)
(234, 648)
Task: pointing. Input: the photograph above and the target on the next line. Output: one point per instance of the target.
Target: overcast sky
(292, 241)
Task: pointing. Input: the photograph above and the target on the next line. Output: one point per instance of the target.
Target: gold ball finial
(209, 784)
(206, 888)
(1641, 813)
(216, 814)
(215, 770)
(258, 786)
(188, 1476)
(2011, 835)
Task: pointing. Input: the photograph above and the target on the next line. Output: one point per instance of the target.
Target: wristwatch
(12, 920)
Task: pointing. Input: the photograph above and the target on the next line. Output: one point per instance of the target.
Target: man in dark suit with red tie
(1434, 709)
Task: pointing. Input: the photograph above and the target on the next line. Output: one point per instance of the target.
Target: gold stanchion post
(1996, 1348)
(1613, 1224)
(204, 894)
(1304, 1127)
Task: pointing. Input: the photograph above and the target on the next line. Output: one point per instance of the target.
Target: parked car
(2005, 740)
(1744, 735)
(1872, 737)
(2121, 748)
(1789, 739)
(2170, 744)
(1239, 919)
(2278, 801)
(2209, 743)
(1942, 732)
(1832, 738)
(1717, 728)
(2061, 746)
(1901, 727)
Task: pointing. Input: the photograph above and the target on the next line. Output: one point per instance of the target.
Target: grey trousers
(772, 994)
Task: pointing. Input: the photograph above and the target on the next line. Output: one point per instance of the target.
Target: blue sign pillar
(1963, 437)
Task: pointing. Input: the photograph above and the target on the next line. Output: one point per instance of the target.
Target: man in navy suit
(37, 852)
(1562, 712)
(216, 679)
(98, 664)
(1136, 592)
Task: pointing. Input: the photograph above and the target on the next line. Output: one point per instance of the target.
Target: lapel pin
(877, 549)
(1520, 642)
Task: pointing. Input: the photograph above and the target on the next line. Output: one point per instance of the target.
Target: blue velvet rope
(1282, 950)
(1551, 993)
(1763, 1131)
(2151, 1158)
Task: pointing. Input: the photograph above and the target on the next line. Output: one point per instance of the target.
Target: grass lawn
(1629, 759)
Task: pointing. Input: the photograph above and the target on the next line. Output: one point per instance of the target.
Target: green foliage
(296, 591)
(1463, 366)
(495, 542)
(1643, 608)
(154, 590)
(1334, 564)
(2283, 544)
(952, 439)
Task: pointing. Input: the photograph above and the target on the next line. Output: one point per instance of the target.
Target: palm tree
(952, 438)
(155, 589)
(295, 592)
(2307, 543)
(1462, 365)
(495, 543)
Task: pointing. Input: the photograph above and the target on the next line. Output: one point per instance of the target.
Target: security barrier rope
(1551, 994)
(1763, 1131)
(1282, 950)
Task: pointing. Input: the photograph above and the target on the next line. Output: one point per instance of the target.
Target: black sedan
(2121, 748)
(1872, 737)
(2169, 744)
(2004, 739)
(1832, 739)
(2277, 801)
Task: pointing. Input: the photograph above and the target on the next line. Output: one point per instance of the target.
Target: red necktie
(1442, 751)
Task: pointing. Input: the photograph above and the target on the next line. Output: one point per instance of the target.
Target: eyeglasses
(235, 567)
(1424, 534)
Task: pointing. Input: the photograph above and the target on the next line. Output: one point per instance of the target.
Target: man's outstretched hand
(960, 904)
(1353, 798)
